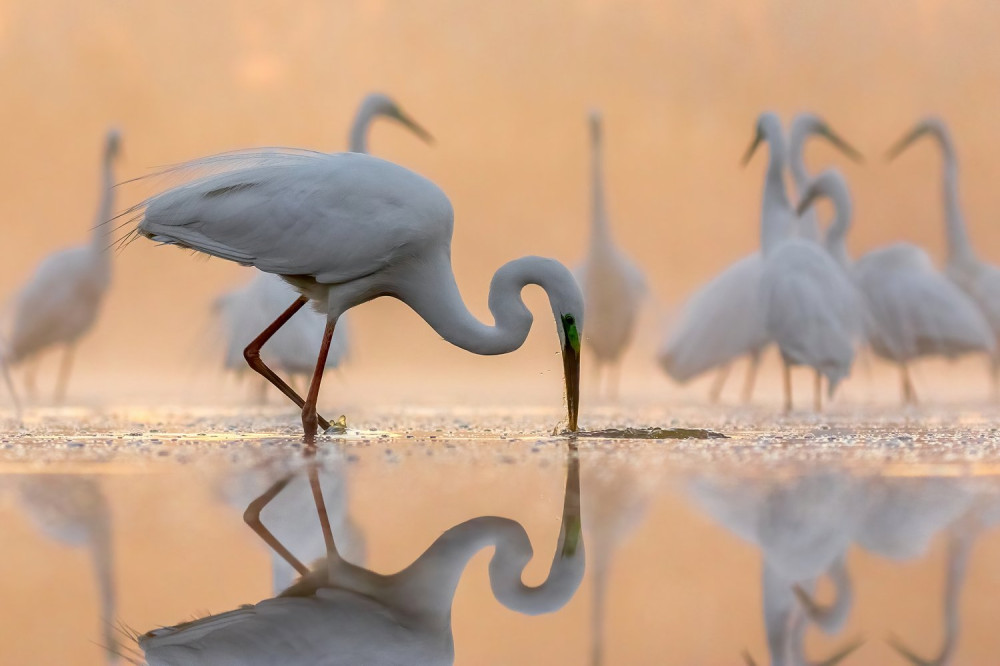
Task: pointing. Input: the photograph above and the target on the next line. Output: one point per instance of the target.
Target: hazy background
(504, 87)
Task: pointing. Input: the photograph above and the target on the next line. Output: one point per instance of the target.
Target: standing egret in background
(613, 286)
(978, 279)
(723, 320)
(61, 301)
(811, 308)
(252, 307)
(338, 613)
(347, 228)
(914, 310)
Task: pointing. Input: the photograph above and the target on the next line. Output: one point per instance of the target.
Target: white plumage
(61, 301)
(612, 284)
(724, 321)
(346, 228)
(978, 279)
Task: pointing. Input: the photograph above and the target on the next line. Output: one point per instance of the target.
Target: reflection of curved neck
(776, 211)
(430, 582)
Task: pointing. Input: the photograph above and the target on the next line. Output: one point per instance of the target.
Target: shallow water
(123, 524)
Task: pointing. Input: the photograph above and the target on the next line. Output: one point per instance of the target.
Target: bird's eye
(569, 319)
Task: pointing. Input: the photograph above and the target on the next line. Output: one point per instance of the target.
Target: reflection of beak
(903, 143)
(414, 127)
(753, 147)
(842, 145)
(571, 370)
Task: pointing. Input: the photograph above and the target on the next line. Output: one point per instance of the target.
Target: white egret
(803, 528)
(339, 613)
(978, 279)
(253, 306)
(347, 228)
(915, 310)
(811, 309)
(72, 510)
(613, 286)
(61, 301)
(723, 321)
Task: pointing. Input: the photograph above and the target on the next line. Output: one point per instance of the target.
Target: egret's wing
(720, 322)
(333, 217)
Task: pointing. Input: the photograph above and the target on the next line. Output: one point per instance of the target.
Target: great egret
(723, 321)
(978, 279)
(915, 311)
(255, 305)
(613, 286)
(61, 301)
(339, 613)
(346, 228)
(811, 309)
(72, 509)
(803, 528)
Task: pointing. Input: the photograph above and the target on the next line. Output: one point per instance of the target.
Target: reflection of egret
(252, 307)
(345, 229)
(810, 305)
(339, 613)
(915, 310)
(803, 528)
(614, 501)
(978, 279)
(292, 517)
(72, 510)
(613, 286)
(723, 321)
(61, 301)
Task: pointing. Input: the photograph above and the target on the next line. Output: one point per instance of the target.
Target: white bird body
(724, 320)
(346, 228)
(61, 301)
(811, 307)
(249, 309)
(613, 286)
(978, 279)
(338, 613)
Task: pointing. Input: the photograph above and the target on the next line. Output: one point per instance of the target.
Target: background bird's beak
(753, 147)
(413, 126)
(841, 145)
(806, 201)
(903, 143)
(571, 370)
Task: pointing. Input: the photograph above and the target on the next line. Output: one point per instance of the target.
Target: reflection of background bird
(615, 497)
(249, 309)
(803, 527)
(342, 614)
(61, 301)
(613, 286)
(978, 279)
(73, 511)
(723, 321)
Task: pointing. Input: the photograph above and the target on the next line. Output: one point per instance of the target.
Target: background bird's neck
(358, 140)
(836, 235)
(101, 234)
(808, 220)
(776, 213)
(600, 235)
(959, 248)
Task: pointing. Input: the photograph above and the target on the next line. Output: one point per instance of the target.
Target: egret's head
(112, 142)
(594, 118)
(768, 127)
(380, 104)
(830, 184)
(930, 126)
(809, 123)
(567, 307)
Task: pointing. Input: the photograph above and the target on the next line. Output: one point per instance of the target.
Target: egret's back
(721, 322)
(812, 310)
(60, 302)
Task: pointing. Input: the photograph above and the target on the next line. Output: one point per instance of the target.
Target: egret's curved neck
(808, 221)
(101, 234)
(959, 247)
(430, 582)
(776, 212)
(358, 140)
(836, 235)
(434, 295)
(599, 232)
